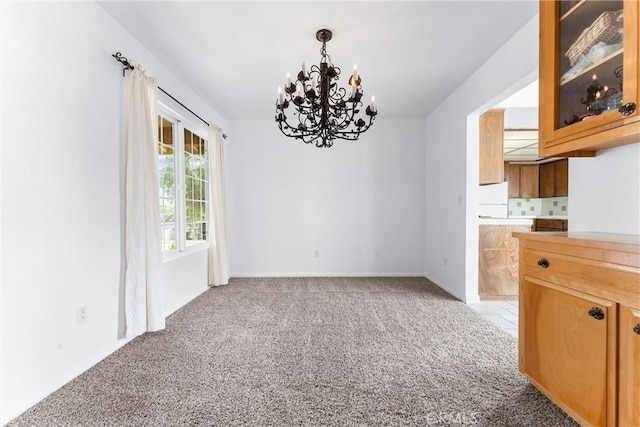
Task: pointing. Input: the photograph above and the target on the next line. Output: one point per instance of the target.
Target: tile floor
(502, 313)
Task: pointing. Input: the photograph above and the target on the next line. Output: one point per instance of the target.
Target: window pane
(190, 233)
(182, 213)
(166, 176)
(188, 136)
(167, 211)
(167, 132)
(169, 237)
(203, 211)
(204, 231)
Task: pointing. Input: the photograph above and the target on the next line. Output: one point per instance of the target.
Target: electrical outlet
(82, 314)
(316, 253)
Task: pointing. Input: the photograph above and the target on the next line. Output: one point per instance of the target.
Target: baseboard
(8, 414)
(472, 299)
(448, 290)
(11, 413)
(175, 307)
(271, 275)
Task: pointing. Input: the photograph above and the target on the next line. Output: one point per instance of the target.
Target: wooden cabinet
(549, 179)
(498, 260)
(582, 94)
(491, 147)
(523, 181)
(529, 181)
(579, 305)
(514, 181)
(554, 178)
(561, 178)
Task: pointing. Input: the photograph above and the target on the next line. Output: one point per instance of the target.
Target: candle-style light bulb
(288, 79)
(372, 106)
(598, 95)
(594, 77)
(606, 89)
(280, 96)
(355, 74)
(304, 69)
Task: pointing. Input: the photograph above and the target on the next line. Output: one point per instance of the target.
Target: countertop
(541, 217)
(621, 242)
(505, 221)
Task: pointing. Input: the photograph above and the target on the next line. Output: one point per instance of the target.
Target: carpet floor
(309, 352)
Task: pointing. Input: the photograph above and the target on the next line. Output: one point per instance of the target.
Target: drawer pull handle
(544, 263)
(596, 313)
(636, 329)
(627, 109)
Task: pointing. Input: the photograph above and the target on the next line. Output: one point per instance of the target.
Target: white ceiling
(410, 55)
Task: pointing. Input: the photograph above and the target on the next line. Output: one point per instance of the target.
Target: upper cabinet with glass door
(589, 82)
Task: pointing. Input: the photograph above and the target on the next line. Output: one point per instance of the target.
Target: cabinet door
(547, 179)
(561, 178)
(582, 88)
(514, 181)
(529, 181)
(491, 147)
(629, 387)
(567, 353)
(498, 260)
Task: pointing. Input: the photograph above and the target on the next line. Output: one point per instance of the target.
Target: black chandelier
(323, 111)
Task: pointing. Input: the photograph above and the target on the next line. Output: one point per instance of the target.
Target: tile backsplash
(553, 206)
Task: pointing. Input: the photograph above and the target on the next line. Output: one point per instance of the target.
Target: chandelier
(322, 111)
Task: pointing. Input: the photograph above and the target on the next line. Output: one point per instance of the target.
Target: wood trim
(491, 147)
(607, 241)
(629, 373)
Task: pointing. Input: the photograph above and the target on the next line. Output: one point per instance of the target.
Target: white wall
(451, 226)
(61, 191)
(359, 204)
(604, 191)
(521, 118)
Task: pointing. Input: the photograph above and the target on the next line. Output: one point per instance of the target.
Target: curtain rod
(127, 66)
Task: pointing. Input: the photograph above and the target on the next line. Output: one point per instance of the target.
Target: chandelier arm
(302, 137)
(296, 131)
(358, 131)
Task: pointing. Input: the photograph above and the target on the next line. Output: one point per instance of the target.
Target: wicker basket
(605, 29)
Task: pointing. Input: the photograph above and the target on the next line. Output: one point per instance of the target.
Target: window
(183, 166)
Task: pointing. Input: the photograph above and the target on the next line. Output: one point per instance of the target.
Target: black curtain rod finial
(124, 61)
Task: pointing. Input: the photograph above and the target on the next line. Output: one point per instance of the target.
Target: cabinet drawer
(550, 224)
(610, 281)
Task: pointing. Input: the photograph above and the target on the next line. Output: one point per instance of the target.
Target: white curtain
(218, 254)
(144, 302)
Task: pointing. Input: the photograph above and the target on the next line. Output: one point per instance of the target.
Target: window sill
(170, 256)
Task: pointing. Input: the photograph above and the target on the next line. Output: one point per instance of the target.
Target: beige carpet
(309, 352)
